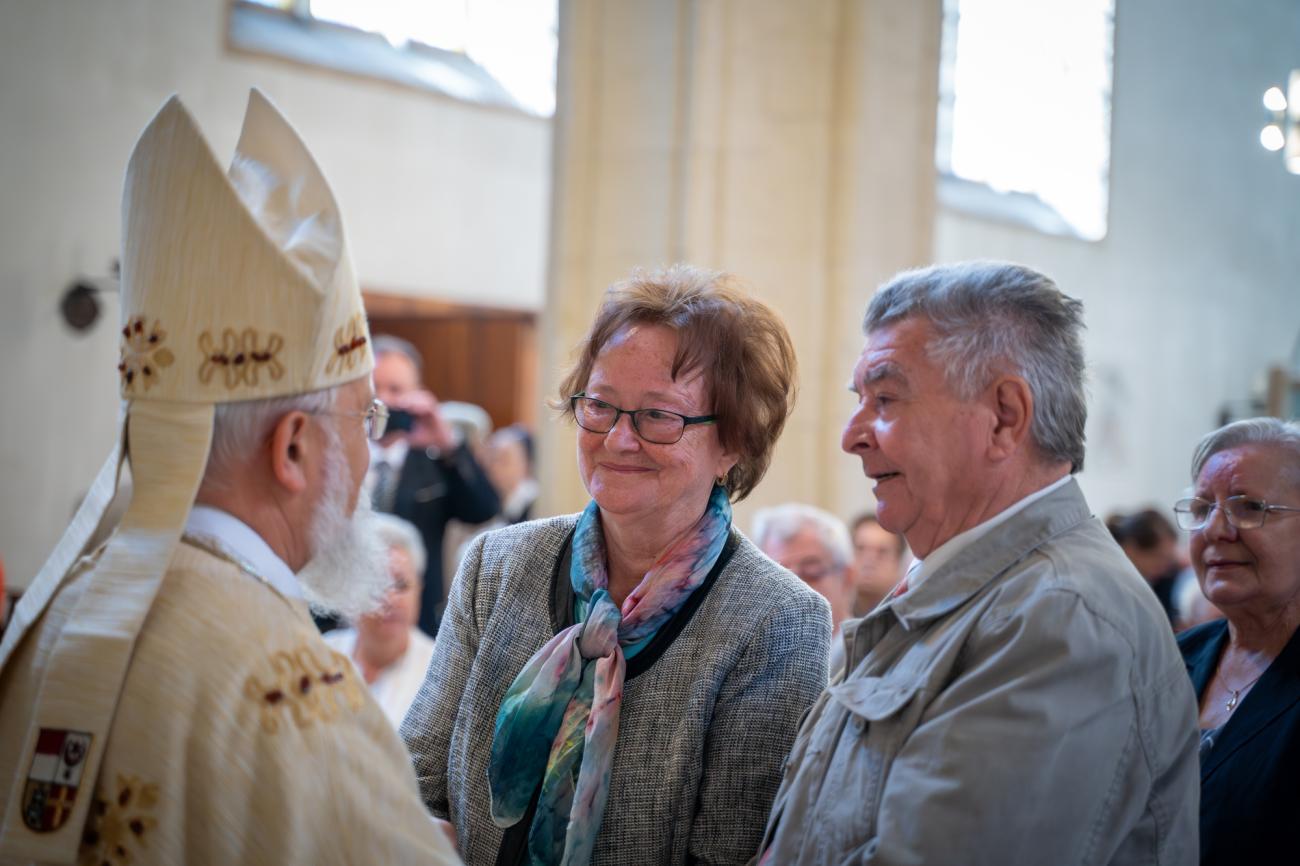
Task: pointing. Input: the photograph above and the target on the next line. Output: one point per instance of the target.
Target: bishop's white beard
(348, 570)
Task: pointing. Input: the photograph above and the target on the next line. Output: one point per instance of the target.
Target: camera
(400, 420)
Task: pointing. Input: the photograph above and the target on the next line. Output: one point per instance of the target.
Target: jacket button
(858, 723)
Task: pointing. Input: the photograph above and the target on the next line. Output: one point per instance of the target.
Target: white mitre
(235, 286)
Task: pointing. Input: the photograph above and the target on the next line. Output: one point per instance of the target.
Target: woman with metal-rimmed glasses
(1244, 520)
(621, 686)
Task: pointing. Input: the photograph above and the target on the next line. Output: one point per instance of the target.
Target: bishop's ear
(289, 446)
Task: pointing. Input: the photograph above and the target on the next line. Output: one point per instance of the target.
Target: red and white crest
(53, 779)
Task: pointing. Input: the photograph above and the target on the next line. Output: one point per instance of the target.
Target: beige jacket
(240, 737)
(1025, 704)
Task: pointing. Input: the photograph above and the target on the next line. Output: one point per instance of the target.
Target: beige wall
(439, 197)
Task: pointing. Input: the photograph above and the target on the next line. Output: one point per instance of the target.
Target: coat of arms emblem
(53, 779)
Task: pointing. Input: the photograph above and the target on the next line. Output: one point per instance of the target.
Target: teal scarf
(558, 722)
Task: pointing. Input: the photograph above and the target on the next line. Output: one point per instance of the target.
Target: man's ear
(289, 445)
(1013, 410)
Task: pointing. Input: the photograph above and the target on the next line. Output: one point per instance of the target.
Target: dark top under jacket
(1250, 779)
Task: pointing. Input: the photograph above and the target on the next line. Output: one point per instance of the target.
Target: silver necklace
(1231, 703)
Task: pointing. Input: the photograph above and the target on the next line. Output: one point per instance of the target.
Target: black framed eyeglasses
(1241, 512)
(658, 426)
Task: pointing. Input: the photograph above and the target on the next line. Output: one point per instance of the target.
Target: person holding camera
(418, 470)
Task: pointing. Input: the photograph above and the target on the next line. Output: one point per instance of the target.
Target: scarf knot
(600, 630)
(558, 721)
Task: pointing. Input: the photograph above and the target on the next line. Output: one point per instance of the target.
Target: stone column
(789, 143)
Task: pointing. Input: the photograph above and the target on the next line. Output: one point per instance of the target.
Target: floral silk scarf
(559, 720)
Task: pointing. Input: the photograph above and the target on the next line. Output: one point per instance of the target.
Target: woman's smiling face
(628, 476)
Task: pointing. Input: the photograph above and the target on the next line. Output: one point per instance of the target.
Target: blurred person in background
(814, 544)
(622, 685)
(1244, 520)
(390, 653)
(878, 562)
(508, 459)
(1150, 542)
(421, 471)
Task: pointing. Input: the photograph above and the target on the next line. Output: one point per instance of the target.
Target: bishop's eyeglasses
(657, 426)
(1241, 512)
(375, 418)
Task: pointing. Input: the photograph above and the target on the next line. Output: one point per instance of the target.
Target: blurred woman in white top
(389, 651)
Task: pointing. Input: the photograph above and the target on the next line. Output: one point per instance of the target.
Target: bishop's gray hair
(241, 427)
(994, 317)
(780, 523)
(1262, 431)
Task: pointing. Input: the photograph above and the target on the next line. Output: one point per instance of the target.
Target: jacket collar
(973, 567)
(1275, 693)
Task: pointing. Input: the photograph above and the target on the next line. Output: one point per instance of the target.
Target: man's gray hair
(1262, 431)
(387, 344)
(401, 534)
(241, 427)
(996, 317)
(780, 523)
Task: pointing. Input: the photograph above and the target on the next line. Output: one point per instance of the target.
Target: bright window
(513, 41)
(1024, 106)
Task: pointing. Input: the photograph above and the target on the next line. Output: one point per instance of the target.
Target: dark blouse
(1250, 774)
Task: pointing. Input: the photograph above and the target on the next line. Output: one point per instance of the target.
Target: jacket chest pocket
(879, 715)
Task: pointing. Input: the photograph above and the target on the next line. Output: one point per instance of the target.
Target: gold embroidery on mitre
(120, 824)
(241, 357)
(304, 688)
(347, 340)
(143, 354)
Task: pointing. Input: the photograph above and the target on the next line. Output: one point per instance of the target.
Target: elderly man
(1016, 699)
(164, 696)
(814, 544)
(389, 652)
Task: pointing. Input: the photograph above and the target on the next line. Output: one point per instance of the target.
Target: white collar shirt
(920, 569)
(394, 455)
(241, 543)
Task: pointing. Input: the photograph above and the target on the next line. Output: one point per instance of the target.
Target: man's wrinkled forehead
(892, 352)
(878, 366)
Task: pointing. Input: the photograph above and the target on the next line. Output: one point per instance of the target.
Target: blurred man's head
(398, 368)
(1150, 542)
(813, 544)
(877, 561)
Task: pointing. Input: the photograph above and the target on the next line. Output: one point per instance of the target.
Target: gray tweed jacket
(703, 732)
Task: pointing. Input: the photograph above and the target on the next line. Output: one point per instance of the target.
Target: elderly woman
(388, 650)
(814, 544)
(621, 686)
(1245, 525)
